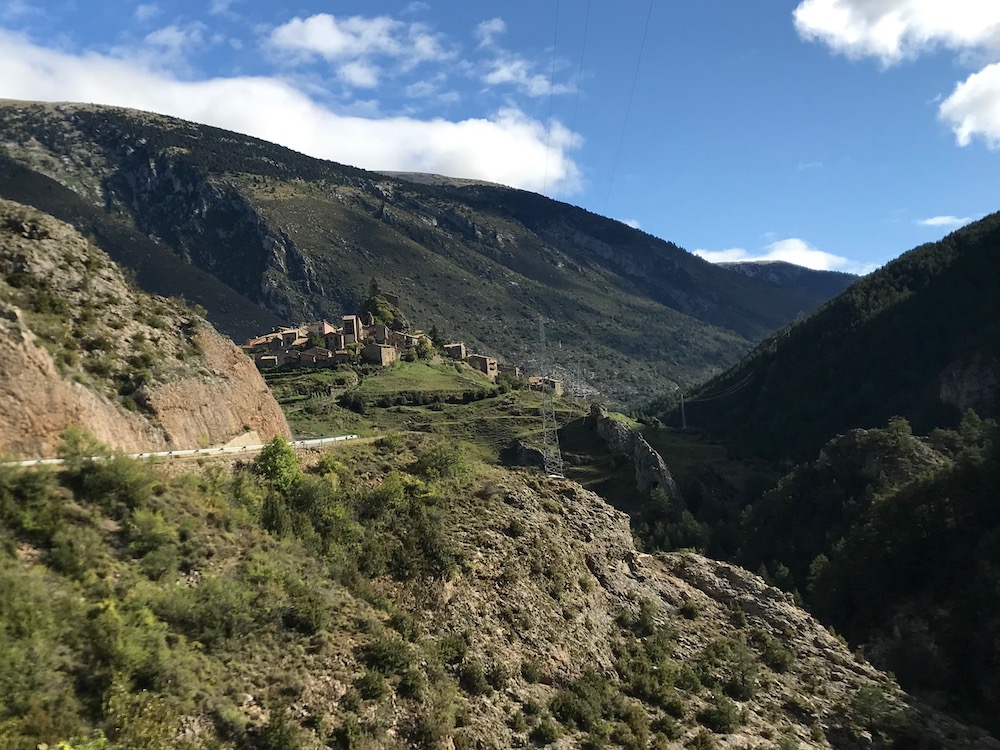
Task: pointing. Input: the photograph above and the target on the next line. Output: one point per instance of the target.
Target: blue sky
(833, 133)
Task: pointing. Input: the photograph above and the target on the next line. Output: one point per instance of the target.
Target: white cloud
(792, 250)
(338, 38)
(516, 71)
(359, 73)
(806, 165)
(417, 6)
(895, 30)
(950, 222)
(634, 223)
(973, 108)
(146, 12)
(487, 31)
(507, 147)
(175, 41)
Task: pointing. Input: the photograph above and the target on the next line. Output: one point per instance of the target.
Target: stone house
(354, 329)
(382, 355)
(504, 369)
(554, 384)
(486, 365)
(380, 332)
(455, 351)
(316, 357)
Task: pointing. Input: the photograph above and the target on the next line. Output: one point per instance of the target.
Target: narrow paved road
(227, 451)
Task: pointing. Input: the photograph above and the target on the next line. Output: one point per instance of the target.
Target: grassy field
(443, 378)
(434, 401)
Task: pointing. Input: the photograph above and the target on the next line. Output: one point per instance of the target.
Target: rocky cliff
(80, 347)
(650, 469)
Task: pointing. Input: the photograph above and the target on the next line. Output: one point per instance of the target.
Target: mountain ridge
(300, 238)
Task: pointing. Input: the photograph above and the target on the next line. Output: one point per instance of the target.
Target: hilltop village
(376, 336)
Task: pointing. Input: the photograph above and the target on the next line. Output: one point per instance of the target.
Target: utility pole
(684, 422)
(550, 427)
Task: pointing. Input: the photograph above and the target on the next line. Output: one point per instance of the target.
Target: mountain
(257, 233)
(918, 338)
(893, 540)
(439, 603)
(885, 523)
(81, 348)
(822, 285)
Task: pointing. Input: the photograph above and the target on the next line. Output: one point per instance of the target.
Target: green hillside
(918, 338)
(255, 225)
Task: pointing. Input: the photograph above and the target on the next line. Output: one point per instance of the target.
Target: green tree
(278, 464)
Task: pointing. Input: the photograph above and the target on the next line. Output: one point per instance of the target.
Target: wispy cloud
(791, 250)
(516, 71)
(893, 31)
(16, 10)
(221, 7)
(488, 31)
(354, 43)
(949, 222)
(506, 146)
(805, 165)
(172, 44)
(634, 223)
(146, 12)
(417, 6)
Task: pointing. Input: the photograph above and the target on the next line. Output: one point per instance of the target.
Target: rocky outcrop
(551, 577)
(971, 382)
(650, 469)
(79, 347)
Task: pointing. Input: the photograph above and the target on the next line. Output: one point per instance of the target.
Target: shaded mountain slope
(81, 348)
(918, 338)
(893, 540)
(301, 237)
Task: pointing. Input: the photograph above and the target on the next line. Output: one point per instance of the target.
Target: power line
(628, 107)
(725, 392)
(579, 79)
(551, 455)
(552, 86)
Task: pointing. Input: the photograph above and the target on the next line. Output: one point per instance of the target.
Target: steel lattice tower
(550, 428)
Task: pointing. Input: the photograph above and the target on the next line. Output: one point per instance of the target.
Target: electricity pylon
(550, 428)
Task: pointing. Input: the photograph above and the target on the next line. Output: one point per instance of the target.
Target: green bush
(441, 461)
(278, 464)
(411, 684)
(723, 715)
(386, 655)
(372, 686)
(545, 732)
(472, 679)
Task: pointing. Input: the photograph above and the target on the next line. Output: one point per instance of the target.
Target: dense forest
(918, 338)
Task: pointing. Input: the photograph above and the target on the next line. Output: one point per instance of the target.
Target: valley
(803, 555)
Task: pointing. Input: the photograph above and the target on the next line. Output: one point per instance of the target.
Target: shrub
(722, 715)
(531, 670)
(386, 655)
(278, 464)
(472, 679)
(411, 684)
(441, 461)
(545, 733)
(372, 686)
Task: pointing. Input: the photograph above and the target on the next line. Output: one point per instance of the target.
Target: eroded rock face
(80, 347)
(568, 588)
(971, 383)
(650, 469)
